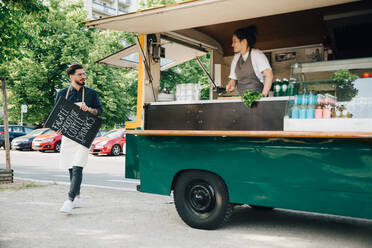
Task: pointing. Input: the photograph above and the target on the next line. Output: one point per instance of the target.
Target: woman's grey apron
(247, 79)
(72, 153)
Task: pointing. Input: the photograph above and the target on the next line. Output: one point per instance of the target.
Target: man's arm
(97, 104)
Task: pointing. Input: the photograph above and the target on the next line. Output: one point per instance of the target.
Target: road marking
(67, 183)
(61, 176)
(123, 181)
(25, 172)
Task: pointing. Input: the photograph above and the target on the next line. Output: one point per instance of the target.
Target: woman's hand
(231, 85)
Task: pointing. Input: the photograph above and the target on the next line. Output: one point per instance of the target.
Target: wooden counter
(282, 134)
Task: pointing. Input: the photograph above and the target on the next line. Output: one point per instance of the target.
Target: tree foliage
(12, 36)
(145, 4)
(57, 39)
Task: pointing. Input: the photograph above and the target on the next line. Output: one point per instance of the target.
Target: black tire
(57, 147)
(116, 150)
(202, 200)
(261, 208)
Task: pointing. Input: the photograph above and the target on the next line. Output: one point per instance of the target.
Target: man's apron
(72, 153)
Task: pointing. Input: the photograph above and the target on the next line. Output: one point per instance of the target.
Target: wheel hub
(201, 198)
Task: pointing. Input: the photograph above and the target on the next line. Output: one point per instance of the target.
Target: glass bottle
(295, 110)
(277, 87)
(284, 87)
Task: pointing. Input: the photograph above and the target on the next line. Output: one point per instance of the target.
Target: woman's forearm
(268, 74)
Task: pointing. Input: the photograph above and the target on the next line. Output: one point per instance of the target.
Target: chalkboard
(74, 123)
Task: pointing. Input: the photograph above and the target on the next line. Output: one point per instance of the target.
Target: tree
(12, 36)
(58, 38)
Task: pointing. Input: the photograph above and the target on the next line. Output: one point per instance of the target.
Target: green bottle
(277, 87)
(284, 87)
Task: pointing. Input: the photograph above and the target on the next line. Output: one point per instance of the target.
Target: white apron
(72, 153)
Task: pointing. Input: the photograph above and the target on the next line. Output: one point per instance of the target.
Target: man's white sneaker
(66, 207)
(77, 203)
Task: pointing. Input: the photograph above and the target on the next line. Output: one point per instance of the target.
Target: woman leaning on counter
(250, 69)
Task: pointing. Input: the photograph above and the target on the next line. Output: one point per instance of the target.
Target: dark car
(25, 142)
(14, 132)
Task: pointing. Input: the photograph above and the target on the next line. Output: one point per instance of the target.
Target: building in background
(103, 8)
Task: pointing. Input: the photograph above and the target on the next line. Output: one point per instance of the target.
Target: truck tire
(202, 200)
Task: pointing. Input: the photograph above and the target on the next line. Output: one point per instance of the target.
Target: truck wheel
(261, 208)
(57, 147)
(202, 200)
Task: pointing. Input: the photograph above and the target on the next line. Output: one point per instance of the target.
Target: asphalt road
(101, 171)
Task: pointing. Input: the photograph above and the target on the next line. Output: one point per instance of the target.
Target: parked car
(48, 141)
(100, 133)
(14, 131)
(111, 143)
(25, 142)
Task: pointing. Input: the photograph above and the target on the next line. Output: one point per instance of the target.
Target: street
(101, 171)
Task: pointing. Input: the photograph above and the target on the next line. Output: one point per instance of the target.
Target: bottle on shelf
(284, 87)
(277, 87)
(310, 114)
(292, 87)
(303, 106)
(318, 113)
(295, 109)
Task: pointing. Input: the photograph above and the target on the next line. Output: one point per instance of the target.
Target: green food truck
(309, 149)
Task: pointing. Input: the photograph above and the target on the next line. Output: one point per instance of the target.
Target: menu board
(74, 123)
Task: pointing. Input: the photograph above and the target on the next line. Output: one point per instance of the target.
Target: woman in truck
(250, 69)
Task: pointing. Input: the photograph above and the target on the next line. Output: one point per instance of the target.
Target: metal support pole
(6, 127)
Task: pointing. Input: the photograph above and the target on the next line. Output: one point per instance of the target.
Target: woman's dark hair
(249, 33)
(72, 68)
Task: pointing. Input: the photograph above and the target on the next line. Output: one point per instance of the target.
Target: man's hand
(59, 132)
(84, 107)
(91, 110)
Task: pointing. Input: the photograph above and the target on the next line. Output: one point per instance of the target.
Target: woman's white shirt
(259, 63)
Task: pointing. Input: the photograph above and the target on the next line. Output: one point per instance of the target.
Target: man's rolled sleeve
(97, 104)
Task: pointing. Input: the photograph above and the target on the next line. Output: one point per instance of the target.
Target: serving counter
(229, 114)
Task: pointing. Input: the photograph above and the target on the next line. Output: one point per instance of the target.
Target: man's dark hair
(72, 68)
(249, 33)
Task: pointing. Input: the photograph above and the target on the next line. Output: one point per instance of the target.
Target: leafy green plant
(345, 89)
(250, 96)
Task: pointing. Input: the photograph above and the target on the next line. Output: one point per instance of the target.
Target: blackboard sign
(74, 123)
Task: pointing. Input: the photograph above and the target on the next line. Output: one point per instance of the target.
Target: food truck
(309, 149)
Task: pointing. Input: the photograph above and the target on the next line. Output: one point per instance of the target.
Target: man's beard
(81, 84)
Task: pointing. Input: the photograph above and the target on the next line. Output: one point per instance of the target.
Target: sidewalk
(30, 217)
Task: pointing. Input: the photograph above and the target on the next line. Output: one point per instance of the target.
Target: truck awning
(197, 13)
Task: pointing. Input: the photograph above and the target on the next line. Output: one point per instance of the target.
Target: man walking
(73, 155)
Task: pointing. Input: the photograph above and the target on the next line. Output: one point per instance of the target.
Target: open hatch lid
(197, 13)
(175, 54)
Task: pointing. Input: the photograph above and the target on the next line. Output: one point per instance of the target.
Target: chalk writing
(74, 123)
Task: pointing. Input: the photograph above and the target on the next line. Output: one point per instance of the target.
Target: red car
(48, 141)
(111, 143)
